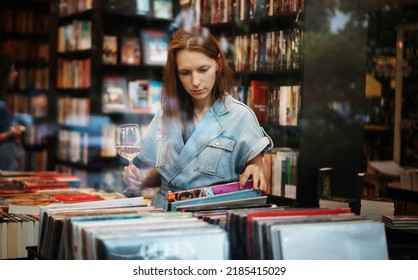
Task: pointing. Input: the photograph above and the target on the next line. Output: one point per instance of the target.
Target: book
(107, 140)
(48, 179)
(42, 184)
(30, 207)
(122, 202)
(155, 88)
(30, 203)
(225, 197)
(259, 94)
(57, 237)
(3, 235)
(287, 212)
(284, 172)
(14, 235)
(237, 230)
(262, 245)
(207, 191)
(139, 95)
(143, 7)
(154, 47)
(26, 228)
(110, 49)
(130, 52)
(401, 221)
(182, 244)
(343, 240)
(115, 93)
(85, 230)
(257, 201)
(77, 221)
(163, 9)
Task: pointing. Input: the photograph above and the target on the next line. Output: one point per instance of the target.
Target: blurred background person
(12, 152)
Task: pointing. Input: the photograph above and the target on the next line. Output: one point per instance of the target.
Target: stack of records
(215, 197)
(127, 229)
(304, 234)
(401, 221)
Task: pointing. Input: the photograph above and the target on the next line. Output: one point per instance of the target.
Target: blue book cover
(183, 244)
(80, 226)
(90, 233)
(351, 240)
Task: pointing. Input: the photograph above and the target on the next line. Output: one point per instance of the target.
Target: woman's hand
(13, 132)
(255, 169)
(132, 175)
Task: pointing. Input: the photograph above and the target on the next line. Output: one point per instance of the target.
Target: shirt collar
(222, 105)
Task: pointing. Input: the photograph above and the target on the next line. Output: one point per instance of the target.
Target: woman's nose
(195, 79)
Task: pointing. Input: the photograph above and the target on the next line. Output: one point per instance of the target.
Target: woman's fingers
(132, 175)
(257, 174)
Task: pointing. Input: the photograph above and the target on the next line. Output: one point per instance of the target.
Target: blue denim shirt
(227, 137)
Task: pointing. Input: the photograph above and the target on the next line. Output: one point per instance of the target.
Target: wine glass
(128, 139)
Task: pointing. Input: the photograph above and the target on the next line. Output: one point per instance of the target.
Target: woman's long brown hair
(176, 103)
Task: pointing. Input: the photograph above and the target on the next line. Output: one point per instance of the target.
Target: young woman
(201, 136)
(12, 153)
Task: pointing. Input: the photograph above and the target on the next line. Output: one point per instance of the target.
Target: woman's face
(197, 74)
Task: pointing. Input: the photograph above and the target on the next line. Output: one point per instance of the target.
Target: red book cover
(77, 198)
(72, 181)
(289, 212)
(260, 96)
(43, 184)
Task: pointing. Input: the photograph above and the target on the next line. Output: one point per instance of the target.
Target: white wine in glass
(128, 139)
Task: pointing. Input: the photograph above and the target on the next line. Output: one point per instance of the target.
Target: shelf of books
(25, 36)
(109, 57)
(23, 193)
(263, 44)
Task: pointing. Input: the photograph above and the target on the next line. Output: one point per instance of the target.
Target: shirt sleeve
(252, 140)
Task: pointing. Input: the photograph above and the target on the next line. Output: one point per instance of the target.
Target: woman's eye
(184, 73)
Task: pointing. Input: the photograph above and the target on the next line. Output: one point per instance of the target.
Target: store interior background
(351, 107)
(352, 114)
(390, 129)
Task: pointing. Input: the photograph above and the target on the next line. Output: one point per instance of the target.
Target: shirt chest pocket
(216, 158)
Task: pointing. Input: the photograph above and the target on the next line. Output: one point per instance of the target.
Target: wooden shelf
(376, 127)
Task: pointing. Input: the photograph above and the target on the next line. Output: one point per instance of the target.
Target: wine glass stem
(131, 162)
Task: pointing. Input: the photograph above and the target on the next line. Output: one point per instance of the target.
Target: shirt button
(217, 143)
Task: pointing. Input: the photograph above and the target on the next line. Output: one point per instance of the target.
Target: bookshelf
(97, 58)
(406, 112)
(25, 36)
(263, 44)
(327, 131)
(328, 110)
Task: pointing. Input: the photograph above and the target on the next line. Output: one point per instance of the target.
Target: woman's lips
(197, 91)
